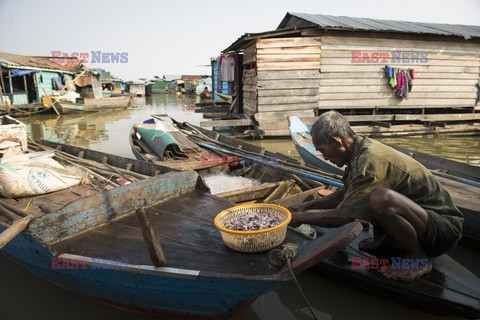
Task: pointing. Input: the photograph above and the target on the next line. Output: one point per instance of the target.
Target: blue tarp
(21, 72)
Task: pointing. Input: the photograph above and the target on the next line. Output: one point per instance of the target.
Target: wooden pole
(17, 227)
(51, 103)
(9, 214)
(153, 246)
(13, 209)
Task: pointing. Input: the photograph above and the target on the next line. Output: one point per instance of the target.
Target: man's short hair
(330, 124)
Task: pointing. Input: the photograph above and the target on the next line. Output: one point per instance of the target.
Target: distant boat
(88, 240)
(93, 105)
(461, 180)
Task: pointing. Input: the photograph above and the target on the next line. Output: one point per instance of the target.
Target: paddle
(16, 227)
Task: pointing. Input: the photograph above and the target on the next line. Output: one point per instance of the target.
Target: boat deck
(185, 229)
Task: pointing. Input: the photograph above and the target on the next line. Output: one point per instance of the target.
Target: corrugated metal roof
(300, 20)
(11, 60)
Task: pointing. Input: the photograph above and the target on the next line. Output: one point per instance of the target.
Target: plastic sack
(27, 175)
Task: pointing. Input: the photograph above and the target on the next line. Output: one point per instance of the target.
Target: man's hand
(296, 219)
(296, 208)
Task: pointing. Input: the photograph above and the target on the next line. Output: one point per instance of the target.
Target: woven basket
(253, 241)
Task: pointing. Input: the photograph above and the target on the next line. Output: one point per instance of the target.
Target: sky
(179, 36)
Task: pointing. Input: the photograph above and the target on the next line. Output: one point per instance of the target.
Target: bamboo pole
(51, 103)
(153, 246)
(9, 214)
(64, 155)
(17, 227)
(13, 209)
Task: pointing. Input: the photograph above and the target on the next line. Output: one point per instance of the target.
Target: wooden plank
(250, 73)
(287, 100)
(249, 87)
(347, 61)
(397, 103)
(326, 47)
(250, 80)
(287, 107)
(386, 88)
(431, 55)
(249, 54)
(380, 74)
(288, 42)
(288, 84)
(288, 58)
(438, 117)
(288, 65)
(448, 117)
(384, 81)
(389, 94)
(232, 123)
(154, 248)
(403, 44)
(289, 50)
(275, 133)
(419, 68)
(287, 74)
(287, 92)
(251, 95)
(273, 115)
(249, 101)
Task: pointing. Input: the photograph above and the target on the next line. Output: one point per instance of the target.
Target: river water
(25, 296)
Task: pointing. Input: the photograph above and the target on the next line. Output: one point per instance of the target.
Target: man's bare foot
(367, 244)
(406, 274)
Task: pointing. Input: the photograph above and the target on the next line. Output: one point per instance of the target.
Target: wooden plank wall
(287, 80)
(250, 81)
(447, 80)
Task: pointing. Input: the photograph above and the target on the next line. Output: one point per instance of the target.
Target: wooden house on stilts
(315, 63)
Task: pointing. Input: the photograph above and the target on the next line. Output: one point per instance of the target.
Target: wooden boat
(450, 289)
(93, 105)
(219, 153)
(461, 180)
(90, 242)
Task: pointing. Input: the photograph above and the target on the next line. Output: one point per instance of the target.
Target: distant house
(136, 88)
(314, 63)
(160, 85)
(23, 78)
(190, 82)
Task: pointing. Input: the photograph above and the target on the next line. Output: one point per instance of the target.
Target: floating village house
(160, 85)
(24, 78)
(314, 63)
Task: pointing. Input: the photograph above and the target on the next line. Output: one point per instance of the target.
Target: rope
(289, 253)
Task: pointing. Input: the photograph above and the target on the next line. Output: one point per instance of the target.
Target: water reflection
(25, 296)
(463, 149)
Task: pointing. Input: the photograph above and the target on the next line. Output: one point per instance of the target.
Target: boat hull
(180, 295)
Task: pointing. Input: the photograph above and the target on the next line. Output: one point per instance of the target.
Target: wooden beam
(228, 123)
(381, 124)
(153, 246)
(436, 124)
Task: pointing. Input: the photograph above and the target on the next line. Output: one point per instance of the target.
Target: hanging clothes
(400, 80)
(227, 67)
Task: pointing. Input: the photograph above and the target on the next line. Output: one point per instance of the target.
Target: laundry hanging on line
(401, 80)
(226, 66)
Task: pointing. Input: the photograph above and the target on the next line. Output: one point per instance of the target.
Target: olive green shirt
(376, 165)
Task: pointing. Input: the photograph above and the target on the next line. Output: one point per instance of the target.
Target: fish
(254, 221)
